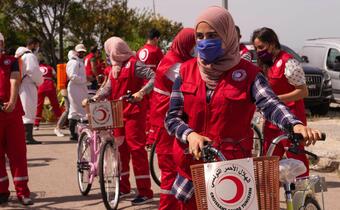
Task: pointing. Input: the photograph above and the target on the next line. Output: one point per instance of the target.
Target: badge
(239, 75)
(279, 63)
(7, 62)
(143, 54)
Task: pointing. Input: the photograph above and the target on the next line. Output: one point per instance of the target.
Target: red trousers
(13, 145)
(269, 135)
(134, 148)
(166, 164)
(52, 96)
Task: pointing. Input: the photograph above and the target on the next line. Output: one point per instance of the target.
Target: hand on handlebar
(196, 143)
(310, 136)
(137, 97)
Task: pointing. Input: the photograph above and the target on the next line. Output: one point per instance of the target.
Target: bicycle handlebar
(295, 139)
(209, 152)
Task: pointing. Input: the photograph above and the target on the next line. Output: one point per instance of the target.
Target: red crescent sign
(103, 114)
(239, 188)
(143, 54)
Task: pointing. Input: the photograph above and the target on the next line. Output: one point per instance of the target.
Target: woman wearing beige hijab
(213, 100)
(129, 74)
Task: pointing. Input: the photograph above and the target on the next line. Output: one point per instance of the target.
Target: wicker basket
(266, 170)
(116, 115)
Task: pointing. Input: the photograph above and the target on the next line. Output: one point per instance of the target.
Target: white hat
(80, 48)
(2, 37)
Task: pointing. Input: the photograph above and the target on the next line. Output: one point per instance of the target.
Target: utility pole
(225, 4)
(154, 8)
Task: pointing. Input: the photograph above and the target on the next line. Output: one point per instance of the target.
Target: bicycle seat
(290, 169)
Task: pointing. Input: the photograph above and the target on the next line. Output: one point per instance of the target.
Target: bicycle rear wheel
(258, 141)
(311, 204)
(109, 175)
(83, 166)
(153, 165)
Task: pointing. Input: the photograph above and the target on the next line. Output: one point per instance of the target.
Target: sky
(293, 20)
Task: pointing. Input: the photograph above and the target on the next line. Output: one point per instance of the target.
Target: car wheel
(321, 109)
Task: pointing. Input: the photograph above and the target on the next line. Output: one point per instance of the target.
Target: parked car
(318, 83)
(324, 53)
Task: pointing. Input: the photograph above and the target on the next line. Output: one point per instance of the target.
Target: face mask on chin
(265, 57)
(209, 50)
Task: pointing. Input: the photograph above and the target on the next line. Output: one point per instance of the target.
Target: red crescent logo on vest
(143, 54)
(7, 62)
(279, 63)
(239, 75)
(44, 70)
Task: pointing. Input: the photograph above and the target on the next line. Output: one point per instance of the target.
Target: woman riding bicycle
(128, 74)
(213, 100)
(287, 79)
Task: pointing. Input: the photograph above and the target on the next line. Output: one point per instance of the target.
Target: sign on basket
(105, 114)
(230, 185)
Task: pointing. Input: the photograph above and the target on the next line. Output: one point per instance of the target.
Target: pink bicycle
(97, 150)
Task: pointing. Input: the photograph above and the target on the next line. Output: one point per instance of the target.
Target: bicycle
(98, 153)
(153, 161)
(299, 192)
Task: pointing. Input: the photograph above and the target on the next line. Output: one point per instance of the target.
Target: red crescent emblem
(44, 70)
(143, 54)
(239, 189)
(103, 114)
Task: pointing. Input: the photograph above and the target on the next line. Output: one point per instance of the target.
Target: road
(53, 183)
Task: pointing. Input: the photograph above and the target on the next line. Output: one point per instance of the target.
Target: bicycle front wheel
(83, 163)
(153, 165)
(257, 141)
(311, 204)
(109, 175)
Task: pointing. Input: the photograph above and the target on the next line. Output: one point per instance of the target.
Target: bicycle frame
(294, 200)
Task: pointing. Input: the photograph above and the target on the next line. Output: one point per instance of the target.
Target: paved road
(52, 171)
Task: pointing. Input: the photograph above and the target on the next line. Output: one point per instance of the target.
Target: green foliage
(61, 24)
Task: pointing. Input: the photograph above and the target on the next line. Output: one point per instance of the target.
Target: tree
(41, 18)
(62, 24)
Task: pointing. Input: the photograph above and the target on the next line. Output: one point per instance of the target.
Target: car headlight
(326, 75)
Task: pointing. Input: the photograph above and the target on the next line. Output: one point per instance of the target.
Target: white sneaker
(58, 132)
(36, 128)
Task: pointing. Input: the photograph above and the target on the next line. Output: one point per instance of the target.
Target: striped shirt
(262, 95)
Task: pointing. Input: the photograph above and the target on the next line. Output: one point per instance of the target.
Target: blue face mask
(209, 49)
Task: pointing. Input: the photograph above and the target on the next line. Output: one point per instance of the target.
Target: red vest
(87, 62)
(244, 50)
(6, 62)
(162, 90)
(280, 85)
(226, 118)
(150, 55)
(128, 81)
(48, 83)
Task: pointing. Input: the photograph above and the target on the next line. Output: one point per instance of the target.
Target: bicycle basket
(266, 171)
(105, 114)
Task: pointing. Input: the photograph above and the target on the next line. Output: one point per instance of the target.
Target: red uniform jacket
(48, 83)
(128, 81)
(6, 62)
(150, 55)
(280, 85)
(162, 90)
(226, 118)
